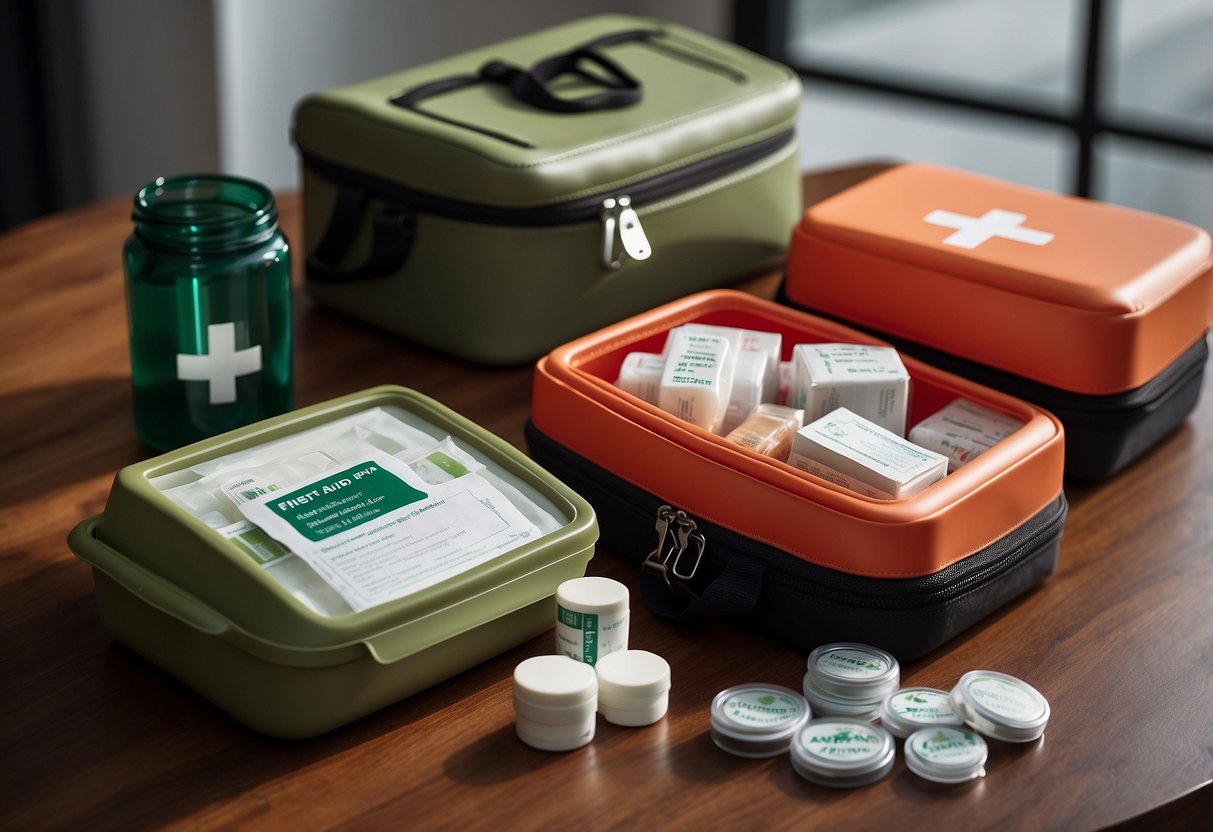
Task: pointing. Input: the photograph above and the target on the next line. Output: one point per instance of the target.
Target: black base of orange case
(796, 602)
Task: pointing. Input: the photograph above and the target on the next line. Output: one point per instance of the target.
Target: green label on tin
(950, 746)
(762, 707)
(840, 741)
(853, 664)
(343, 501)
(924, 706)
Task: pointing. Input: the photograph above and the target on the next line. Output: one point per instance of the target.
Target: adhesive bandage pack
(853, 452)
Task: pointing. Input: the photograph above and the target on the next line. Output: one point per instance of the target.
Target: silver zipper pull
(622, 234)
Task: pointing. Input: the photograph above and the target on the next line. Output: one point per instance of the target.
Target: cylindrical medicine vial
(633, 687)
(555, 703)
(208, 292)
(591, 618)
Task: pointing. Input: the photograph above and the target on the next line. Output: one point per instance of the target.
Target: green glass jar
(208, 294)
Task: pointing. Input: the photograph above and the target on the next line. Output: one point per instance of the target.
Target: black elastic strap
(392, 233)
(532, 85)
(734, 592)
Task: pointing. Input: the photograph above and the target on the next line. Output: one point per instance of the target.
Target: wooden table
(1120, 639)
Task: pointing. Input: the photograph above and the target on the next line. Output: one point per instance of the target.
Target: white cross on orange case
(1073, 293)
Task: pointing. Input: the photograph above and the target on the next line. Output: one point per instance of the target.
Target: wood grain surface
(1120, 639)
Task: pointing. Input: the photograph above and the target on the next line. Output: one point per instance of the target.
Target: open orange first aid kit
(1095, 312)
(723, 531)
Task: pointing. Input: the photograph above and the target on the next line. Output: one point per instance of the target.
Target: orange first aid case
(1095, 312)
(723, 531)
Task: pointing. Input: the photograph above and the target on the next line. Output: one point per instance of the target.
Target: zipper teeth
(568, 465)
(661, 186)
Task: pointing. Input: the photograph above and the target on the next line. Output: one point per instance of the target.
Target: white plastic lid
(824, 704)
(757, 720)
(555, 682)
(631, 675)
(853, 671)
(842, 752)
(910, 709)
(593, 594)
(946, 755)
(1000, 706)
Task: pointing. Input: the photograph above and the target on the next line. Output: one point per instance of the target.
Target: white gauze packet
(768, 344)
(848, 450)
(868, 380)
(640, 375)
(962, 431)
(697, 381)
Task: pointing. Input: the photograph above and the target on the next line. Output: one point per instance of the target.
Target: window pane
(839, 125)
(1160, 64)
(1026, 51)
(1145, 175)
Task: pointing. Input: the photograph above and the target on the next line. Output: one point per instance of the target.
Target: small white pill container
(633, 687)
(1000, 706)
(591, 618)
(842, 753)
(946, 755)
(555, 703)
(849, 679)
(757, 720)
(910, 709)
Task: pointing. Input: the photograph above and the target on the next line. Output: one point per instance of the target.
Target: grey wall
(191, 85)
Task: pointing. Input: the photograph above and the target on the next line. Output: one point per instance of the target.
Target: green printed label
(761, 706)
(951, 747)
(580, 634)
(344, 500)
(855, 664)
(840, 741)
(924, 706)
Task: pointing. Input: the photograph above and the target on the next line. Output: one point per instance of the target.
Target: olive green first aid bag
(498, 203)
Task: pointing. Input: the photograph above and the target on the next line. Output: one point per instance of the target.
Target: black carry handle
(395, 226)
(393, 230)
(732, 593)
(531, 86)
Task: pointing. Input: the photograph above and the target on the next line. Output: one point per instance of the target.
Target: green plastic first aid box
(249, 626)
(500, 202)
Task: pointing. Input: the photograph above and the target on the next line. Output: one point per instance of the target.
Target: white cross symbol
(973, 231)
(221, 365)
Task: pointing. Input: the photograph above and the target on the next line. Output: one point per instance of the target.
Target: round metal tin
(909, 709)
(757, 720)
(842, 753)
(946, 755)
(1000, 706)
(856, 672)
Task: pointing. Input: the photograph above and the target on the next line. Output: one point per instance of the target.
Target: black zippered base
(1104, 434)
(800, 603)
